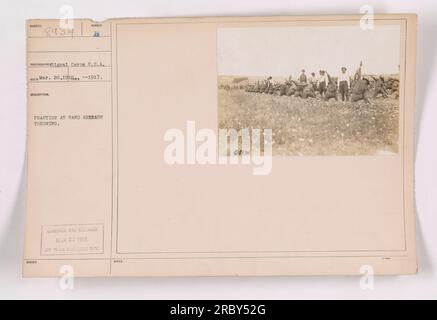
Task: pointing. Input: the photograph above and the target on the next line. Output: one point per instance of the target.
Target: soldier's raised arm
(358, 73)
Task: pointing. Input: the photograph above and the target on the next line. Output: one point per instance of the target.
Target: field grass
(312, 126)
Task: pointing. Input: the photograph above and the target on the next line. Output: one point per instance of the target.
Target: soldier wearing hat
(344, 84)
(323, 82)
(303, 77)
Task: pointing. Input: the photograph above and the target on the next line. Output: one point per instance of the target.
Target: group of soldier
(352, 89)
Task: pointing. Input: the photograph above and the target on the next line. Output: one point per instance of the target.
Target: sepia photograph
(331, 90)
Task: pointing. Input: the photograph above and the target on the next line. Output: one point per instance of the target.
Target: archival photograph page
(232, 146)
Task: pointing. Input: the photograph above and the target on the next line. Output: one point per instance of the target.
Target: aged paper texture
(221, 146)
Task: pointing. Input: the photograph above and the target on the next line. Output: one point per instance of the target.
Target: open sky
(281, 51)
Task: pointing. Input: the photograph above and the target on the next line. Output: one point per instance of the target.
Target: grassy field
(312, 126)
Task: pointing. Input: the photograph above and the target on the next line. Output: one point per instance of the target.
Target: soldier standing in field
(322, 82)
(344, 84)
(303, 77)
